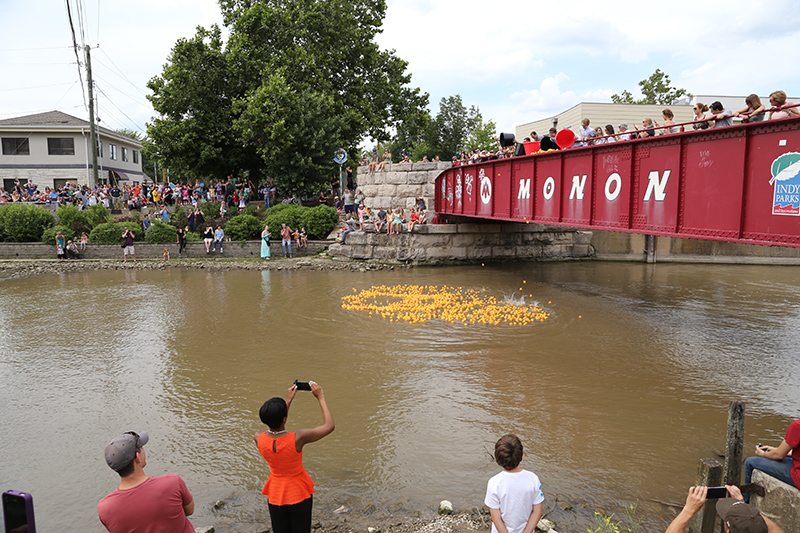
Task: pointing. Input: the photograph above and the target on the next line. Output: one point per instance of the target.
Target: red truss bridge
(737, 184)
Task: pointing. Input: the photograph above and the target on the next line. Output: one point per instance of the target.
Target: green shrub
(69, 214)
(23, 222)
(319, 221)
(210, 209)
(191, 236)
(244, 228)
(111, 233)
(97, 214)
(179, 216)
(291, 215)
(257, 211)
(160, 233)
(277, 208)
(49, 235)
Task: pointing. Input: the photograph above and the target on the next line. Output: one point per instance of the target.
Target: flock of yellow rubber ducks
(418, 304)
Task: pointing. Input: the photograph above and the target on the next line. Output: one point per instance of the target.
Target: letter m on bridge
(524, 189)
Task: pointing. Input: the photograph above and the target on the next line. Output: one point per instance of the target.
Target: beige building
(52, 149)
(600, 114)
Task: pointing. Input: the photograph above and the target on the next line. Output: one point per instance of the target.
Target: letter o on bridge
(549, 188)
(613, 178)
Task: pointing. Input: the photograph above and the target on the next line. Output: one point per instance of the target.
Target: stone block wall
(398, 185)
(781, 502)
(467, 242)
(38, 250)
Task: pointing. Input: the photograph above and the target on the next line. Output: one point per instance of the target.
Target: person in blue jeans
(782, 463)
(218, 236)
(286, 240)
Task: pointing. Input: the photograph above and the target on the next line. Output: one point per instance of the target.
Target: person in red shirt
(782, 463)
(157, 504)
(289, 488)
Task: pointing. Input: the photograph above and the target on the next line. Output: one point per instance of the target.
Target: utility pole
(92, 130)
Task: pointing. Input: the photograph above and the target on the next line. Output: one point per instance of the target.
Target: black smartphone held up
(302, 385)
(18, 512)
(715, 493)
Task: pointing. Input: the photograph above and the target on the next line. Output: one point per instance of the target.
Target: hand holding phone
(715, 493)
(302, 385)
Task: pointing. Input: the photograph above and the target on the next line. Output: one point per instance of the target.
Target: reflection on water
(615, 397)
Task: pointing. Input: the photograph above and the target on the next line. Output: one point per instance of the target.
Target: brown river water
(616, 397)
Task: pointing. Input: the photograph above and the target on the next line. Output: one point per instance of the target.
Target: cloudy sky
(517, 61)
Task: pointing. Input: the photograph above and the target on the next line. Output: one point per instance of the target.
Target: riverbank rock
(209, 529)
(445, 507)
(546, 526)
(341, 510)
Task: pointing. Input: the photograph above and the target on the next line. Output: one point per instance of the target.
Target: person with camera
(737, 516)
(289, 488)
(127, 245)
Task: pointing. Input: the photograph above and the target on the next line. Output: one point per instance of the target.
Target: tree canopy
(296, 80)
(453, 130)
(657, 89)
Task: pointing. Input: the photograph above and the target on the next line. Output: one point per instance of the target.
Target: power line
(120, 110)
(34, 49)
(37, 87)
(122, 74)
(75, 48)
(112, 86)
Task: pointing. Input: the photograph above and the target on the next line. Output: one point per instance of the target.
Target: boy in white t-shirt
(514, 496)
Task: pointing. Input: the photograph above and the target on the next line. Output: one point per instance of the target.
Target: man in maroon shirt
(141, 503)
(286, 240)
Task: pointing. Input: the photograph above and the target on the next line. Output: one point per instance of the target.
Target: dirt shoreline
(16, 268)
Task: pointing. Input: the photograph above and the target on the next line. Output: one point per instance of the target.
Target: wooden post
(734, 443)
(709, 473)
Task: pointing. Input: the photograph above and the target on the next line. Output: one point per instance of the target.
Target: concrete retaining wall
(781, 502)
(619, 246)
(398, 185)
(37, 250)
(467, 242)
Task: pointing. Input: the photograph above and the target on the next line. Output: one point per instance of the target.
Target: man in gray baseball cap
(157, 504)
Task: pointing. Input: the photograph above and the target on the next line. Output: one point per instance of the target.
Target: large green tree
(296, 80)
(657, 89)
(454, 129)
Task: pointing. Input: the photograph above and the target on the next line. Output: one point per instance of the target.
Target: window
(16, 146)
(112, 151)
(61, 146)
(136, 156)
(124, 154)
(99, 148)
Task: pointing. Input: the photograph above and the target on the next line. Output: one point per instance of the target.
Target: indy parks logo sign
(786, 180)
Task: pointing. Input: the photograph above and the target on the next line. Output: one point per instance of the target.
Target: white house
(52, 149)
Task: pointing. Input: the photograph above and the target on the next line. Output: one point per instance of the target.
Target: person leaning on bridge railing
(778, 99)
(721, 116)
(700, 110)
(754, 112)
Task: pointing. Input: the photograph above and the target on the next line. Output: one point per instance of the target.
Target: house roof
(57, 120)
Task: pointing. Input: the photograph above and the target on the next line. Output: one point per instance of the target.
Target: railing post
(709, 473)
(734, 443)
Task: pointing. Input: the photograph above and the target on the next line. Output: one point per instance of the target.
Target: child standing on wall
(514, 496)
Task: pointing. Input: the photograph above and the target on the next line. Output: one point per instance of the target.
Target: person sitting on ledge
(782, 463)
(737, 516)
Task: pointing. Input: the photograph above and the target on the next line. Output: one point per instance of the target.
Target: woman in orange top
(289, 488)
